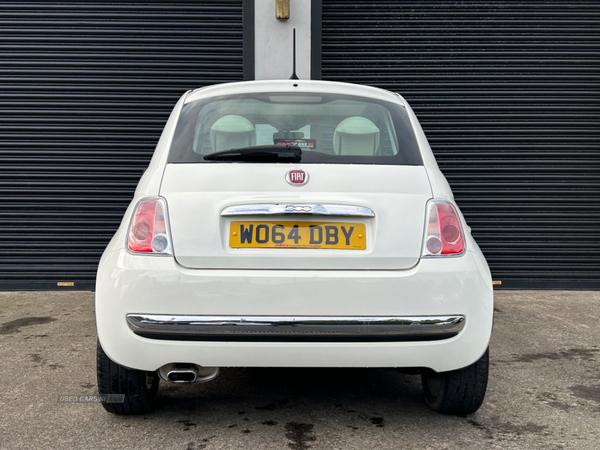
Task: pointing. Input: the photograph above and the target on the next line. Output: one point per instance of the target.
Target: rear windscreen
(328, 128)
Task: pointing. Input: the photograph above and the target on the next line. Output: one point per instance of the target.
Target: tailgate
(247, 216)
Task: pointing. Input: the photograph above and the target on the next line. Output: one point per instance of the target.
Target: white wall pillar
(273, 48)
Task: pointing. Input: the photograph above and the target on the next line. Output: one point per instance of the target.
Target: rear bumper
(295, 329)
(149, 288)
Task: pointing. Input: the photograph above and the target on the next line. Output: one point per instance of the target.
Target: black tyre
(458, 391)
(138, 387)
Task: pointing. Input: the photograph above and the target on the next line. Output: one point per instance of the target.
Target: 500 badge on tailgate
(286, 234)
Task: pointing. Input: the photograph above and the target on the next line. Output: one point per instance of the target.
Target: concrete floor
(544, 389)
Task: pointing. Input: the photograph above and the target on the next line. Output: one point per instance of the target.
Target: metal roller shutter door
(85, 89)
(508, 93)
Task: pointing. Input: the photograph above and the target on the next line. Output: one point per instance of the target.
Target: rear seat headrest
(232, 131)
(356, 136)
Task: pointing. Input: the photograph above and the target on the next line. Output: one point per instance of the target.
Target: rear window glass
(328, 128)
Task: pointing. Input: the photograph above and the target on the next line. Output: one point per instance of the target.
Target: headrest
(231, 132)
(356, 136)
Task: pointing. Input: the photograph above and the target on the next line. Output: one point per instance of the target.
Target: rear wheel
(458, 391)
(135, 390)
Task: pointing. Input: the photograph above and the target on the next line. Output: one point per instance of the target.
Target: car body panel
(132, 284)
(198, 193)
(300, 86)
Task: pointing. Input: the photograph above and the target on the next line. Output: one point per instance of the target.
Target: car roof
(299, 86)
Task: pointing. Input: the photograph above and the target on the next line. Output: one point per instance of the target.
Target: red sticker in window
(304, 144)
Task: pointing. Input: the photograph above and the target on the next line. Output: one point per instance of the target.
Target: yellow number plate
(345, 236)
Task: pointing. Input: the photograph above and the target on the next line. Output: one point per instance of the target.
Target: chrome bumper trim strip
(304, 208)
(299, 329)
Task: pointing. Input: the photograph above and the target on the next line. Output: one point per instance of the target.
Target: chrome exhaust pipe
(185, 373)
(182, 374)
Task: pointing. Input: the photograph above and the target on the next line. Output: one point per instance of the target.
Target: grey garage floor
(544, 389)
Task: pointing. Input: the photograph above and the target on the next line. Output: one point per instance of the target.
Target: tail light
(149, 229)
(444, 235)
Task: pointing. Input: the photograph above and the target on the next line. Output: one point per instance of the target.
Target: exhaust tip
(187, 373)
(182, 376)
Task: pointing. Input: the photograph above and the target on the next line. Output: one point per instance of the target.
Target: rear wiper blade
(258, 152)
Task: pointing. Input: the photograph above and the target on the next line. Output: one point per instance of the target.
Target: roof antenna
(294, 76)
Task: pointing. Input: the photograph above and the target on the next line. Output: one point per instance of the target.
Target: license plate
(285, 234)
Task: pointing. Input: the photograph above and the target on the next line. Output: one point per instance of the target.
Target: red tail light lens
(444, 234)
(148, 232)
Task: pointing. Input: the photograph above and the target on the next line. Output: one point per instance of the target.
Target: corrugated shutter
(508, 93)
(85, 89)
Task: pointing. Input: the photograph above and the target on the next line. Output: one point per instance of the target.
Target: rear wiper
(258, 152)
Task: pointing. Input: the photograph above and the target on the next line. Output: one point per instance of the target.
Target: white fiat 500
(292, 224)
